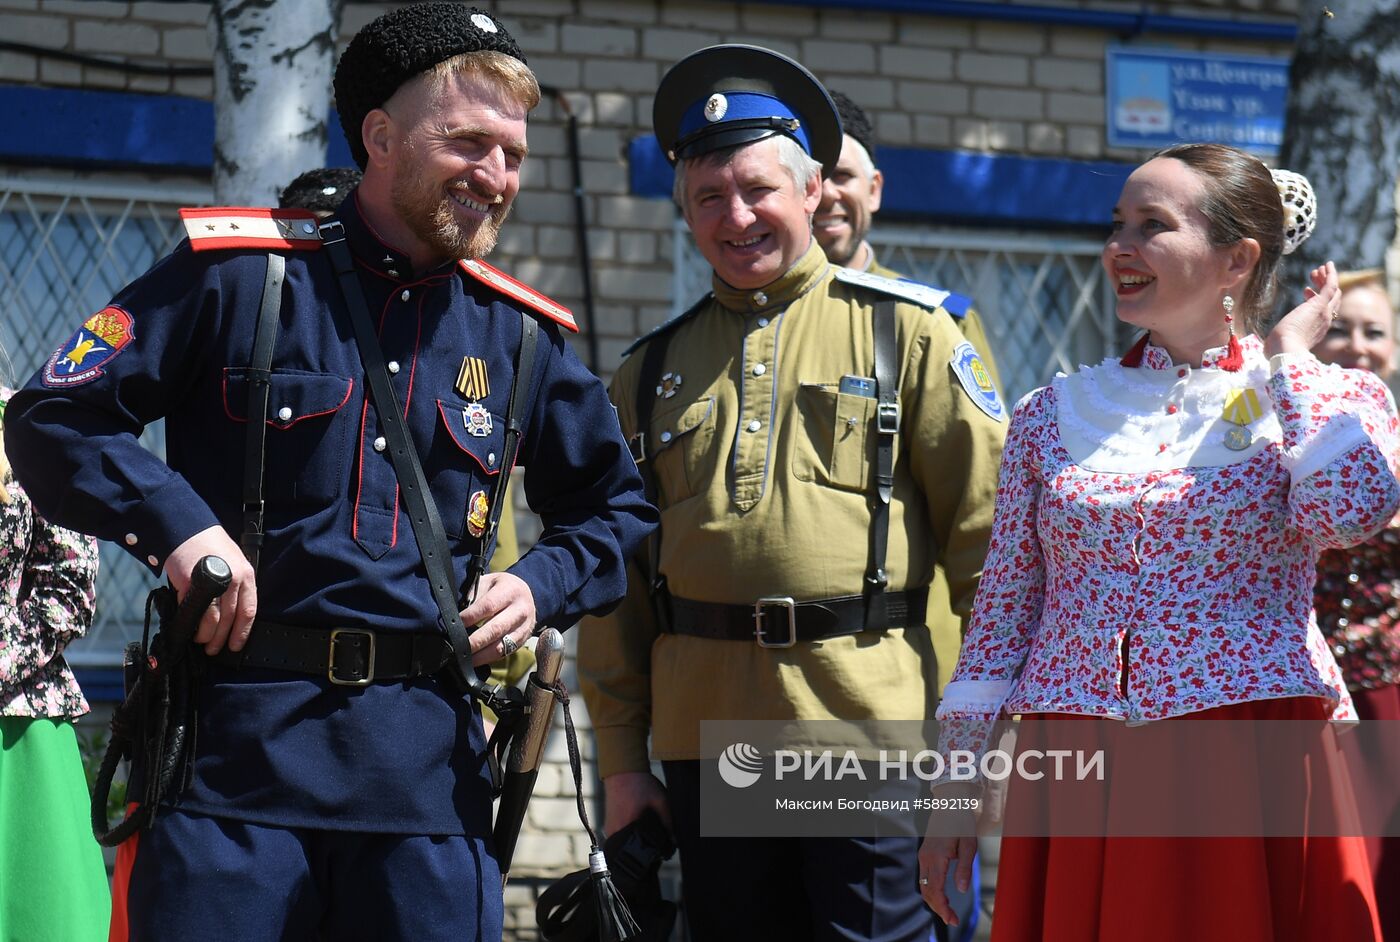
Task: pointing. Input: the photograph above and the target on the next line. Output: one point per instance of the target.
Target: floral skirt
(54, 884)
(1207, 889)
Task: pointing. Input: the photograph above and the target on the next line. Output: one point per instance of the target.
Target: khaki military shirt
(944, 624)
(764, 475)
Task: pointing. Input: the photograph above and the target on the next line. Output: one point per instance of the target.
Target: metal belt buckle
(330, 658)
(887, 418)
(783, 601)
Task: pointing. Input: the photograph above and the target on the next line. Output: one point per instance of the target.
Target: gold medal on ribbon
(1241, 408)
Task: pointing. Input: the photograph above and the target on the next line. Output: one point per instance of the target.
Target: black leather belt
(352, 657)
(780, 622)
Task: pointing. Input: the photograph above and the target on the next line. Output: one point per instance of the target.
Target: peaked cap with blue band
(724, 96)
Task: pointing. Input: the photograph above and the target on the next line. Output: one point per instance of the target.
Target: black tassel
(615, 922)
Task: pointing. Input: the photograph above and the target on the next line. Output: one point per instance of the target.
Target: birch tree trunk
(1343, 132)
(273, 61)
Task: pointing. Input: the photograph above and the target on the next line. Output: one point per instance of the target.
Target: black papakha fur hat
(401, 45)
(320, 190)
(854, 120)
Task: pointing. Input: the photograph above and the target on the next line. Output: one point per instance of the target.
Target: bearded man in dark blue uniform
(335, 799)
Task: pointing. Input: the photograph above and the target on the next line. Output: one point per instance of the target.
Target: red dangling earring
(1234, 355)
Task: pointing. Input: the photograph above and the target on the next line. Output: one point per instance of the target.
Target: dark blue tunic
(288, 749)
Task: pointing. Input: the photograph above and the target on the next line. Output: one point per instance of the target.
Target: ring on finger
(508, 646)
(923, 881)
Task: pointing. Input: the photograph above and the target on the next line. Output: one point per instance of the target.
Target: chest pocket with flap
(308, 440)
(679, 445)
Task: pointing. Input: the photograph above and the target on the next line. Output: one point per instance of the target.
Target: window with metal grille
(66, 247)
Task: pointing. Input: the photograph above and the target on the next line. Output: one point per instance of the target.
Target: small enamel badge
(715, 107)
(976, 381)
(80, 360)
(472, 379)
(478, 510)
(477, 420)
(670, 382)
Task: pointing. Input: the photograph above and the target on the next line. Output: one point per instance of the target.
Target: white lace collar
(1161, 415)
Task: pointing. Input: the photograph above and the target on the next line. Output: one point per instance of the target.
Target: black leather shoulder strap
(422, 511)
(886, 427)
(259, 391)
(649, 558)
(515, 428)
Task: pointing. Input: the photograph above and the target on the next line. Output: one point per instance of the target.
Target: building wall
(929, 81)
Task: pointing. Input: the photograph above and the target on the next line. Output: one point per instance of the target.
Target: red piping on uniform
(452, 435)
(253, 242)
(310, 415)
(359, 472)
(257, 212)
(370, 228)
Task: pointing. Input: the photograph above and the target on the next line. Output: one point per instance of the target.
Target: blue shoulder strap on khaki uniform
(915, 292)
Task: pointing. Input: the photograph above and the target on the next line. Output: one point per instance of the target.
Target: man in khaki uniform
(765, 447)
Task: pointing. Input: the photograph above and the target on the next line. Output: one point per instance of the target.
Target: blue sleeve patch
(976, 381)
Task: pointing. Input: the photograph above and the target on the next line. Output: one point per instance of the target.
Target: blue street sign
(1159, 97)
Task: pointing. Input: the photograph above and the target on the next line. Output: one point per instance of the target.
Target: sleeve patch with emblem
(976, 381)
(94, 345)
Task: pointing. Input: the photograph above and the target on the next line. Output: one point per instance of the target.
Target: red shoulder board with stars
(240, 227)
(527, 296)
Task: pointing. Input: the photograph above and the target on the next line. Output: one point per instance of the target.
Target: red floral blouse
(1156, 536)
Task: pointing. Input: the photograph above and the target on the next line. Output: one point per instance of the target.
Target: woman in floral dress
(1158, 522)
(1358, 606)
(53, 885)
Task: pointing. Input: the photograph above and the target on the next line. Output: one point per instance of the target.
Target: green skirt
(53, 883)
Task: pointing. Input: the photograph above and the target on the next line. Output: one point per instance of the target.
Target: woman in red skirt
(1159, 518)
(1358, 608)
